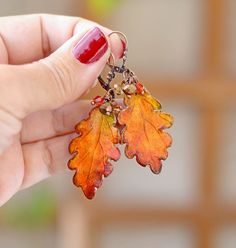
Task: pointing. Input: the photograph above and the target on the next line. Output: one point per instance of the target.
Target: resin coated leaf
(143, 132)
(94, 148)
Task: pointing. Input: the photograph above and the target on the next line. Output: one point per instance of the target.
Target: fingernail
(91, 47)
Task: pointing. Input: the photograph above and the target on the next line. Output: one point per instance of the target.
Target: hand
(46, 63)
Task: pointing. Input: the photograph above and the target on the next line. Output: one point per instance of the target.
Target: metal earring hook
(112, 64)
(124, 41)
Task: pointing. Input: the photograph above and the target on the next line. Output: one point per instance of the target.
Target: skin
(40, 84)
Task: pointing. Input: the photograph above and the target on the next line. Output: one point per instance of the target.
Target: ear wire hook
(124, 41)
(115, 68)
(122, 68)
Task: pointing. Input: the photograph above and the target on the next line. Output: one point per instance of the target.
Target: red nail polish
(91, 47)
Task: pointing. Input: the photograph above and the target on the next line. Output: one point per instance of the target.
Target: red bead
(98, 100)
(139, 88)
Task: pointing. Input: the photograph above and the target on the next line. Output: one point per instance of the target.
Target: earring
(139, 124)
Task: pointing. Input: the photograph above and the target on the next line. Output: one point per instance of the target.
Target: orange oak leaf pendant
(144, 129)
(140, 126)
(93, 149)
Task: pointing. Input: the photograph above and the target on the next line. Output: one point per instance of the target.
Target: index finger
(28, 38)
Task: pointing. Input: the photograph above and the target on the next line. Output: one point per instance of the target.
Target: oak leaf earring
(139, 124)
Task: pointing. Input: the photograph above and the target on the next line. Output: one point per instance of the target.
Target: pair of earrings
(139, 124)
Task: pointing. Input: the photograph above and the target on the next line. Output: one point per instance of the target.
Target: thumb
(56, 80)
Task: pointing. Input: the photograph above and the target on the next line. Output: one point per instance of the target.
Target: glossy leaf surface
(144, 130)
(93, 149)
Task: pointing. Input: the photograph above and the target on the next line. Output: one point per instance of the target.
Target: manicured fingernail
(91, 47)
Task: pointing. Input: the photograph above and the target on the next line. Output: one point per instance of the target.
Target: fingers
(24, 166)
(56, 80)
(52, 82)
(28, 38)
(45, 158)
(48, 124)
